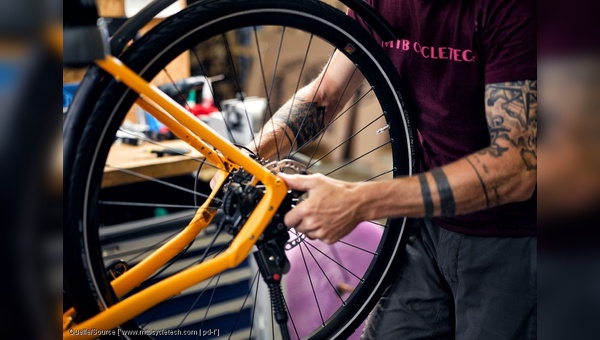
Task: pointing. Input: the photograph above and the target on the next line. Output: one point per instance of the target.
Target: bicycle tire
(85, 272)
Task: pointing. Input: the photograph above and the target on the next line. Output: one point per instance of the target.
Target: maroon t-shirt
(447, 52)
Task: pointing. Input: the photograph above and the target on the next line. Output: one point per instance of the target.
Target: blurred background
(31, 80)
(569, 170)
(30, 168)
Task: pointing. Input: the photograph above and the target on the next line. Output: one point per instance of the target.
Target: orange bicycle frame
(201, 137)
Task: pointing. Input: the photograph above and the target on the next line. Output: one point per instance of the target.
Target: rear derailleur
(240, 198)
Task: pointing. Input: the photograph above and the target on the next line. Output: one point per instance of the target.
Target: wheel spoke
(333, 260)
(334, 110)
(343, 142)
(379, 175)
(156, 180)
(312, 286)
(320, 132)
(357, 158)
(240, 93)
(269, 115)
(312, 102)
(323, 272)
(255, 280)
(212, 93)
(143, 204)
(297, 85)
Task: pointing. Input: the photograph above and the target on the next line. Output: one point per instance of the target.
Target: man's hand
(330, 212)
(216, 179)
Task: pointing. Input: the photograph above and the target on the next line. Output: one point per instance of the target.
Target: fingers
(307, 217)
(304, 183)
(319, 235)
(302, 221)
(300, 182)
(216, 179)
(293, 218)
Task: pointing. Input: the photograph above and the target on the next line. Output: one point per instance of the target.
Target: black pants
(456, 286)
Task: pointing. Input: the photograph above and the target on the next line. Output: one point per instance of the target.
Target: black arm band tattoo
(426, 196)
(446, 197)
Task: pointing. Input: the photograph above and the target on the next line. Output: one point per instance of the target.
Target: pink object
(304, 308)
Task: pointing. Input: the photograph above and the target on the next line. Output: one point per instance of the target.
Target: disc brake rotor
(290, 167)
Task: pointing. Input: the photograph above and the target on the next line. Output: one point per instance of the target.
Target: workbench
(127, 164)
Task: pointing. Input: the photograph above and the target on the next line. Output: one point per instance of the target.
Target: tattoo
(427, 201)
(486, 186)
(304, 119)
(512, 120)
(495, 188)
(279, 123)
(487, 198)
(446, 197)
(497, 131)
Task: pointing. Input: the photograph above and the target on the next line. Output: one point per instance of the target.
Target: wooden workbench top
(130, 164)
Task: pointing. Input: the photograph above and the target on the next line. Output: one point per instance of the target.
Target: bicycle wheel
(329, 289)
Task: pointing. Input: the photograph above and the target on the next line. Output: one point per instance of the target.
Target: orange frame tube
(188, 128)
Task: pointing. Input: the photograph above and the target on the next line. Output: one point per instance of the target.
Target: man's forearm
(504, 172)
(301, 119)
(308, 112)
(470, 184)
(297, 122)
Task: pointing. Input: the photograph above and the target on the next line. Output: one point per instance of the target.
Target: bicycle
(244, 212)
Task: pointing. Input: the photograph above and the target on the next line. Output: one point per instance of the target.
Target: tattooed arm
(507, 169)
(308, 111)
(503, 172)
(306, 114)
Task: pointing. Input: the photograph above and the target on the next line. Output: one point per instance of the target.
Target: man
(469, 271)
